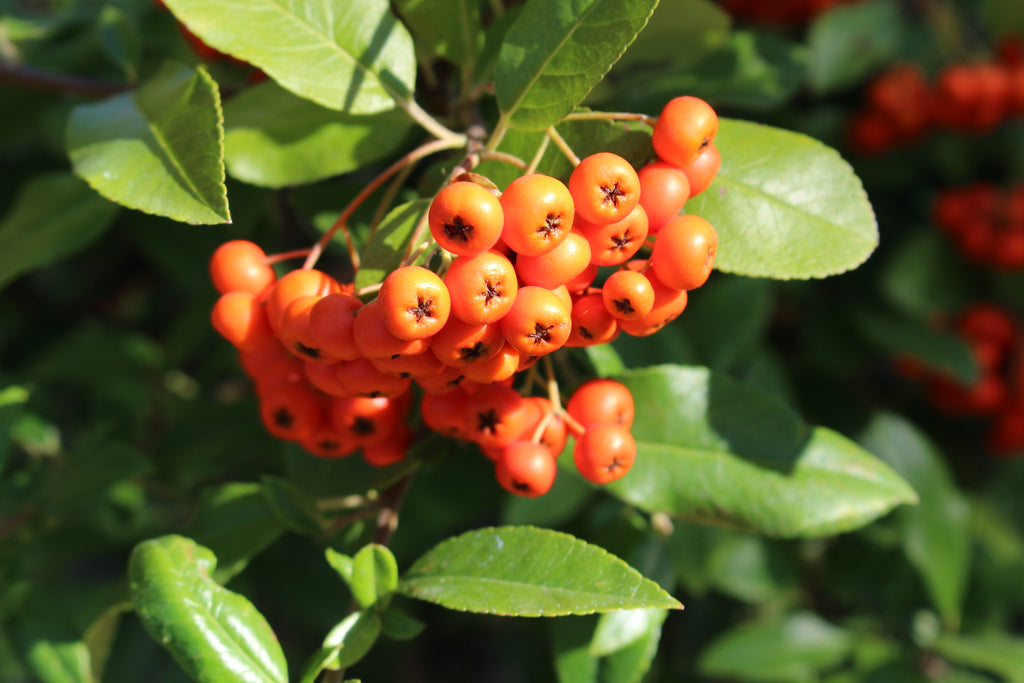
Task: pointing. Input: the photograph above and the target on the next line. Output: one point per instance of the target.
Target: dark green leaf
(349, 56)
(851, 41)
(374, 575)
(390, 243)
(678, 33)
(943, 351)
(356, 634)
(120, 39)
(922, 276)
(936, 534)
(715, 450)
(274, 139)
(555, 52)
(158, 149)
(236, 522)
(571, 643)
(785, 206)
(296, 509)
(526, 571)
(214, 634)
(750, 568)
(52, 216)
(398, 624)
(445, 28)
(789, 649)
(995, 652)
(727, 318)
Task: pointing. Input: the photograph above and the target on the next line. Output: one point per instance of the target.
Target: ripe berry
(628, 295)
(296, 334)
(604, 188)
(293, 285)
(616, 243)
(240, 319)
(664, 189)
(538, 323)
(465, 218)
(460, 344)
(538, 212)
(703, 170)
(414, 302)
(556, 267)
(684, 252)
(291, 411)
(602, 400)
(525, 469)
(592, 324)
(605, 452)
(331, 323)
(685, 127)
(240, 265)
(496, 415)
(482, 288)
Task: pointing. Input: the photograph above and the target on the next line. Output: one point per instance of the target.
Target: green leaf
(445, 28)
(789, 649)
(236, 522)
(618, 630)
(389, 245)
(52, 216)
(849, 42)
(322, 659)
(678, 33)
(526, 571)
(923, 276)
(941, 350)
(398, 624)
(631, 663)
(570, 638)
(120, 39)
(355, 634)
(374, 575)
(215, 635)
(158, 149)
(936, 533)
(60, 661)
(715, 450)
(555, 52)
(274, 139)
(296, 509)
(996, 653)
(785, 206)
(341, 563)
(344, 55)
(749, 568)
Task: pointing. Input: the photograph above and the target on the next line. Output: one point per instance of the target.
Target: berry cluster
(516, 282)
(901, 106)
(985, 221)
(779, 11)
(997, 344)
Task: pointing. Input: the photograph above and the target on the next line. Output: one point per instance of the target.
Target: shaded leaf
(446, 28)
(715, 450)
(526, 571)
(398, 624)
(788, 649)
(158, 149)
(785, 206)
(849, 42)
(389, 245)
(294, 507)
(555, 52)
(275, 139)
(52, 216)
(936, 534)
(214, 634)
(349, 56)
(355, 635)
(996, 653)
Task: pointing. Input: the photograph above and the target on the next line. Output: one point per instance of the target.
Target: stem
(541, 426)
(386, 199)
(611, 116)
(535, 161)
(285, 255)
(38, 79)
(391, 500)
(368, 289)
(563, 145)
(341, 222)
(497, 134)
(504, 158)
(412, 251)
(428, 122)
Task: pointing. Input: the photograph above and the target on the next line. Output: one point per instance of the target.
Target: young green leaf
(274, 139)
(340, 563)
(398, 624)
(555, 52)
(355, 635)
(936, 534)
(350, 56)
(322, 659)
(618, 630)
(374, 575)
(785, 206)
(53, 215)
(214, 634)
(159, 149)
(528, 572)
(787, 649)
(712, 449)
(390, 243)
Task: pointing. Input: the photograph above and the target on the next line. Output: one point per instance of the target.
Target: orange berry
(240, 265)
(414, 302)
(465, 218)
(605, 452)
(684, 252)
(538, 211)
(628, 295)
(556, 267)
(293, 285)
(482, 288)
(616, 243)
(460, 344)
(685, 127)
(602, 400)
(525, 469)
(239, 317)
(592, 324)
(331, 322)
(604, 188)
(664, 189)
(539, 322)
